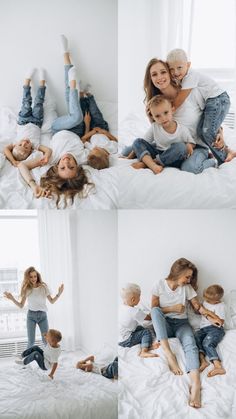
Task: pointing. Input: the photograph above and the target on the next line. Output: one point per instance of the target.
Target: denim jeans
(140, 336)
(166, 327)
(127, 150)
(207, 340)
(111, 371)
(198, 161)
(33, 318)
(212, 117)
(28, 114)
(173, 156)
(35, 353)
(74, 115)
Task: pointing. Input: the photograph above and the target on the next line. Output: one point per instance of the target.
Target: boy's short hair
(213, 291)
(157, 100)
(177, 54)
(55, 334)
(130, 289)
(20, 155)
(98, 162)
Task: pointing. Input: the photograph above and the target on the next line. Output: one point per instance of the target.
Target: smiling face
(184, 278)
(22, 149)
(67, 167)
(179, 69)
(33, 277)
(162, 113)
(160, 76)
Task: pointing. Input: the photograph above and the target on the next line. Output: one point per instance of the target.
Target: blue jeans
(198, 161)
(111, 371)
(212, 117)
(33, 318)
(35, 353)
(28, 114)
(74, 115)
(207, 340)
(127, 150)
(173, 156)
(140, 336)
(166, 327)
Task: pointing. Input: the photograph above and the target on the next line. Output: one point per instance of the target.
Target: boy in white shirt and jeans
(130, 331)
(217, 101)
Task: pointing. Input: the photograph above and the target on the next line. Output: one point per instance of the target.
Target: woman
(35, 291)
(169, 300)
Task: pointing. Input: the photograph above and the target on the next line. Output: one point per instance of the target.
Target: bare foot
(204, 364)
(216, 371)
(157, 168)
(145, 354)
(139, 165)
(195, 396)
(155, 345)
(173, 364)
(230, 156)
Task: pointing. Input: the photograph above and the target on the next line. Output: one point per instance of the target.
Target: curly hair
(149, 88)
(66, 187)
(26, 284)
(181, 265)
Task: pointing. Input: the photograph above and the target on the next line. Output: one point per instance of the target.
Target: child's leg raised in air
(25, 114)
(37, 111)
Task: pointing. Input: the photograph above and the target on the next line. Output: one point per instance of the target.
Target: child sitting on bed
(30, 121)
(217, 102)
(130, 318)
(209, 335)
(46, 358)
(89, 365)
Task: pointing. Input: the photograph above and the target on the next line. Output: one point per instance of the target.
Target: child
(35, 291)
(209, 335)
(89, 365)
(28, 128)
(166, 143)
(130, 317)
(217, 101)
(46, 358)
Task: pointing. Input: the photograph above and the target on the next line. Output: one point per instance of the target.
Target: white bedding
(72, 394)
(14, 192)
(173, 188)
(148, 390)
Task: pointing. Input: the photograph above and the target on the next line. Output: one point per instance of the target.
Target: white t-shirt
(218, 309)
(64, 142)
(207, 86)
(169, 297)
(51, 355)
(30, 131)
(101, 140)
(97, 368)
(163, 140)
(37, 298)
(129, 319)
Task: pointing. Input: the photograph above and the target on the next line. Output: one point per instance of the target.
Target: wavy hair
(26, 284)
(149, 88)
(181, 265)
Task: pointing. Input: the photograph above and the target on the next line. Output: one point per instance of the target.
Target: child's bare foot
(216, 371)
(139, 165)
(204, 364)
(195, 396)
(231, 155)
(144, 353)
(173, 364)
(155, 345)
(157, 168)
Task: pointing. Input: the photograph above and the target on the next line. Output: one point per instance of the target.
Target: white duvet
(148, 390)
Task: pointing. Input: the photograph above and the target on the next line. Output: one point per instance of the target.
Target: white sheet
(173, 188)
(72, 394)
(148, 390)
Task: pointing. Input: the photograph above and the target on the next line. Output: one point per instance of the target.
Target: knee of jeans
(192, 167)
(156, 311)
(189, 342)
(76, 118)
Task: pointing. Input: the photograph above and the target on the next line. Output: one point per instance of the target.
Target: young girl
(169, 300)
(35, 291)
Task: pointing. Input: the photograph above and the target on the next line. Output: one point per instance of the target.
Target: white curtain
(56, 260)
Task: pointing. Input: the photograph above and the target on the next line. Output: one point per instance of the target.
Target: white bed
(14, 193)
(73, 394)
(173, 188)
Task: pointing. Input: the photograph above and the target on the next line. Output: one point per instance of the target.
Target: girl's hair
(181, 265)
(67, 187)
(214, 291)
(149, 88)
(26, 284)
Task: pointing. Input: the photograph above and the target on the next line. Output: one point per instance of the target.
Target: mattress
(72, 394)
(148, 390)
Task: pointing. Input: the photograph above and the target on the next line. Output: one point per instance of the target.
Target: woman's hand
(60, 289)
(8, 295)
(219, 141)
(87, 119)
(179, 308)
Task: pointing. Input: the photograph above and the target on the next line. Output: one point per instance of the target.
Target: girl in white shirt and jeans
(35, 291)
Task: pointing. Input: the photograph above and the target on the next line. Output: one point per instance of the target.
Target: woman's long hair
(67, 187)
(181, 265)
(26, 286)
(149, 88)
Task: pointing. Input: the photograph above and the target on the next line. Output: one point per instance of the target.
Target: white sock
(29, 74)
(64, 42)
(41, 74)
(72, 73)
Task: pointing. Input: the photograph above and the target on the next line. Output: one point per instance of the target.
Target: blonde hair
(56, 335)
(27, 286)
(20, 155)
(214, 291)
(177, 54)
(66, 187)
(149, 88)
(157, 100)
(130, 289)
(98, 162)
(181, 265)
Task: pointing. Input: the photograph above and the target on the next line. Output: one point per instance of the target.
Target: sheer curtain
(56, 257)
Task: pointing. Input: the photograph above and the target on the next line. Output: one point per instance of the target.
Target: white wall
(150, 241)
(29, 36)
(97, 278)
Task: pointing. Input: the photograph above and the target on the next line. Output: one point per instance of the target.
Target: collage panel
(58, 315)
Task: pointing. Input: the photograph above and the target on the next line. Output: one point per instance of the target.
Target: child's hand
(190, 148)
(44, 160)
(219, 141)
(40, 192)
(87, 118)
(179, 308)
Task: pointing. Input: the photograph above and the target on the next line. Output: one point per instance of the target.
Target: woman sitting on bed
(158, 80)
(169, 300)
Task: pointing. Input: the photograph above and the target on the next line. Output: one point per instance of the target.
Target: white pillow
(230, 310)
